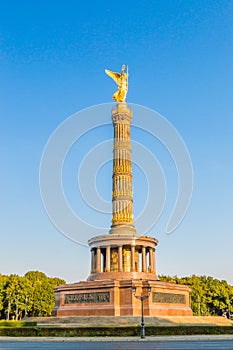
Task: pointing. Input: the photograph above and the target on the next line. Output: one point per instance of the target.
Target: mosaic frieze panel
(87, 298)
(168, 298)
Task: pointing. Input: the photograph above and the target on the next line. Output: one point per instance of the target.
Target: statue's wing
(115, 76)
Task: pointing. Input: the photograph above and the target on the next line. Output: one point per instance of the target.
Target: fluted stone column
(98, 269)
(92, 260)
(154, 266)
(122, 194)
(151, 258)
(108, 259)
(143, 259)
(122, 253)
(132, 258)
(120, 259)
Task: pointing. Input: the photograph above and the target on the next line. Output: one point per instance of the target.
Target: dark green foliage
(113, 331)
(34, 294)
(17, 324)
(31, 294)
(209, 296)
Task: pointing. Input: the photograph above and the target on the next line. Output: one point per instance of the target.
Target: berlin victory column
(122, 261)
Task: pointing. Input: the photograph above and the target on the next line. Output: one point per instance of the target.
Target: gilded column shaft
(122, 194)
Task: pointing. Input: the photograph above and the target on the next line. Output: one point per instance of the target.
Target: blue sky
(53, 55)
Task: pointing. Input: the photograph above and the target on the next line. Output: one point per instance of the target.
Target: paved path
(118, 339)
(215, 342)
(150, 345)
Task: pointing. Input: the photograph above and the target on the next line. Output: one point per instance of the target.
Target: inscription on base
(168, 298)
(87, 298)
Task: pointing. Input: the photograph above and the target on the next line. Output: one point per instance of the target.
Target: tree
(2, 294)
(209, 296)
(42, 296)
(30, 295)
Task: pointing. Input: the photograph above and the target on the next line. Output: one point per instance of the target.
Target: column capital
(121, 114)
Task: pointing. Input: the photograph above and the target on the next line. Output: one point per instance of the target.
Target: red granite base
(115, 298)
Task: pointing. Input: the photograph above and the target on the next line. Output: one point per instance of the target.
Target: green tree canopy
(28, 295)
(209, 296)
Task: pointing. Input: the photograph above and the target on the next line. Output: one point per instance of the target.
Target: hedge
(112, 331)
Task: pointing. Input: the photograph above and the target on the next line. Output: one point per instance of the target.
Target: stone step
(92, 321)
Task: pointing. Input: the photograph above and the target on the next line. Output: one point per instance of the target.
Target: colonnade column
(143, 259)
(92, 261)
(120, 259)
(98, 260)
(108, 259)
(154, 263)
(151, 255)
(132, 258)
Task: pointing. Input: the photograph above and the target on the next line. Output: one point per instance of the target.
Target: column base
(123, 229)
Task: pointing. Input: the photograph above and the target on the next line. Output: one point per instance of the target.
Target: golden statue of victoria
(122, 81)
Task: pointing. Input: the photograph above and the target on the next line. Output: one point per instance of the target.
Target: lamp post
(142, 297)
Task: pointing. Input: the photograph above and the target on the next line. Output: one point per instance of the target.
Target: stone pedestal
(114, 297)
